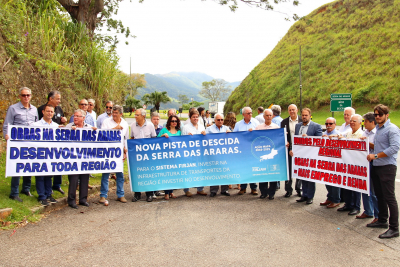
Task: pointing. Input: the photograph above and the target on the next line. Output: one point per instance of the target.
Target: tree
(136, 81)
(192, 104)
(183, 99)
(216, 90)
(156, 98)
(132, 103)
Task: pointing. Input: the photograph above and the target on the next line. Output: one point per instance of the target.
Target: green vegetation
(155, 99)
(348, 46)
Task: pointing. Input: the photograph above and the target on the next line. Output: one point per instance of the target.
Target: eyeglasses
(27, 95)
(175, 121)
(83, 104)
(329, 123)
(219, 120)
(207, 112)
(353, 121)
(249, 113)
(108, 107)
(91, 105)
(378, 115)
(79, 116)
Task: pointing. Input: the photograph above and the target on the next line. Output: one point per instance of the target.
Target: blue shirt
(17, 114)
(277, 120)
(387, 140)
(214, 129)
(333, 132)
(101, 118)
(158, 129)
(241, 126)
(88, 119)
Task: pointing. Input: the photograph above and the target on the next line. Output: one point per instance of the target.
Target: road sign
(144, 106)
(340, 101)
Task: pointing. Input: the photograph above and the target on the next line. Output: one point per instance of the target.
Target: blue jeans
(308, 189)
(333, 193)
(253, 186)
(57, 181)
(168, 191)
(199, 189)
(26, 185)
(370, 202)
(104, 184)
(43, 187)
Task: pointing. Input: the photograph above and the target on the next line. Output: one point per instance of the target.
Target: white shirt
(42, 122)
(371, 136)
(260, 118)
(344, 128)
(110, 124)
(190, 128)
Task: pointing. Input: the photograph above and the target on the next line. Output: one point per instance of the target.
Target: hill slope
(348, 46)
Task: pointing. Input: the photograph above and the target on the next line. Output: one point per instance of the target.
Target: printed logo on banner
(263, 148)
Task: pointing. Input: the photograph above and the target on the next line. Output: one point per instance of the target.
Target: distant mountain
(176, 83)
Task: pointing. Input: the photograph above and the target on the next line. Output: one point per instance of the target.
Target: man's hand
(228, 131)
(287, 144)
(73, 127)
(63, 119)
(291, 153)
(7, 137)
(251, 129)
(304, 135)
(370, 157)
(203, 132)
(94, 128)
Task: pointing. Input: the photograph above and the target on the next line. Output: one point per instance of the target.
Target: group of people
(384, 138)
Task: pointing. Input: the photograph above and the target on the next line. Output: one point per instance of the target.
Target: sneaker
(44, 202)
(17, 198)
(102, 200)
(242, 192)
(158, 193)
(51, 199)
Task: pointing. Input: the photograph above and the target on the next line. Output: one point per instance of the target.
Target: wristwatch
(376, 156)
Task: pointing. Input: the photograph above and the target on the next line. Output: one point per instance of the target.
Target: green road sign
(340, 101)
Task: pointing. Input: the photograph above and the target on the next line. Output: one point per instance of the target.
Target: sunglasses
(91, 105)
(174, 121)
(219, 119)
(378, 115)
(27, 95)
(108, 107)
(328, 123)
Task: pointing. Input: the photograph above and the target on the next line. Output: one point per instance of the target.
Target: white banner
(341, 163)
(40, 151)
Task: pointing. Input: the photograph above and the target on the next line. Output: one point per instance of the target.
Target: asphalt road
(236, 230)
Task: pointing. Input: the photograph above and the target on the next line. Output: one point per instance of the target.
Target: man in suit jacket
(289, 123)
(307, 128)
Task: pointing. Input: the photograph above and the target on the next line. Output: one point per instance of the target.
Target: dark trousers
(83, 188)
(57, 181)
(138, 195)
(43, 187)
(214, 188)
(383, 178)
(288, 184)
(352, 199)
(308, 189)
(26, 185)
(268, 191)
(253, 186)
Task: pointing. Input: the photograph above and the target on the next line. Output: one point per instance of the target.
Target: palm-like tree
(156, 98)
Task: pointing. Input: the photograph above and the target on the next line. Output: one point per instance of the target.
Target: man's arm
(8, 120)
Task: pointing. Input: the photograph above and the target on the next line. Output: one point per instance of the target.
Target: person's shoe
(302, 199)
(309, 201)
(389, 234)
(27, 193)
(242, 192)
(122, 199)
(172, 195)
(44, 202)
(102, 200)
(226, 193)
(188, 194)
(51, 199)
(17, 198)
(333, 205)
(74, 206)
(364, 216)
(158, 193)
(271, 197)
(166, 196)
(298, 193)
(263, 196)
(84, 204)
(378, 224)
(202, 193)
(90, 186)
(254, 192)
(288, 194)
(344, 208)
(213, 194)
(149, 199)
(354, 212)
(136, 197)
(154, 196)
(374, 220)
(59, 190)
(326, 203)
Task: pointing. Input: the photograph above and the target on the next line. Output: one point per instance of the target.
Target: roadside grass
(162, 115)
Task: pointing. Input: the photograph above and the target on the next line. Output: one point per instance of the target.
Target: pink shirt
(267, 127)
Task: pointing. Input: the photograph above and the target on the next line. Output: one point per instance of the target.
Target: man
(383, 174)
(333, 196)
(187, 121)
(353, 198)
(345, 127)
(105, 115)
(54, 99)
(289, 123)
(307, 128)
(142, 129)
(83, 104)
(192, 128)
(247, 124)
(260, 116)
(265, 191)
(43, 183)
(155, 119)
(116, 122)
(22, 113)
(218, 127)
(370, 202)
(91, 112)
(207, 119)
(276, 118)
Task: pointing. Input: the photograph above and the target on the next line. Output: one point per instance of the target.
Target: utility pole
(130, 73)
(300, 81)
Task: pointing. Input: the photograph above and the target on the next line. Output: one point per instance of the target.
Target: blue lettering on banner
(213, 159)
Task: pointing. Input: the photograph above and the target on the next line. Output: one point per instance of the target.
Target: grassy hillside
(348, 46)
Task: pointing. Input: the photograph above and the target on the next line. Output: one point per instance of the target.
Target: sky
(202, 36)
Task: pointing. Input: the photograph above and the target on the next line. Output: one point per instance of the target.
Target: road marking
(398, 180)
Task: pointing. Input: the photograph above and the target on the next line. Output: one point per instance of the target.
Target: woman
(202, 120)
(171, 129)
(82, 179)
(230, 121)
